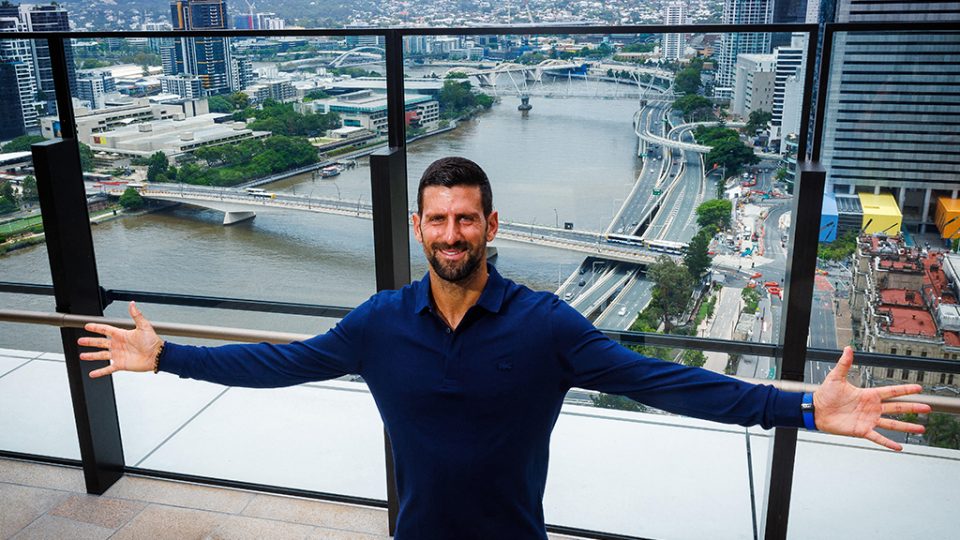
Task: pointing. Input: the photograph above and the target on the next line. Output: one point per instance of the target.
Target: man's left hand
(844, 409)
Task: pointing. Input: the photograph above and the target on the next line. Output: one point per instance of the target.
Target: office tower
(242, 72)
(736, 43)
(92, 86)
(789, 62)
(155, 43)
(891, 109)
(674, 44)
(185, 86)
(10, 110)
(45, 18)
(205, 57)
(754, 82)
(19, 79)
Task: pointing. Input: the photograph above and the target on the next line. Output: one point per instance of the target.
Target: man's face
(453, 230)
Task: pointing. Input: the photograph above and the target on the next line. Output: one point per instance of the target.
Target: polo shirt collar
(491, 299)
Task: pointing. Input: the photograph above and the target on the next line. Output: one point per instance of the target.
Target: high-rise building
(155, 43)
(43, 18)
(789, 62)
(674, 44)
(737, 43)
(20, 79)
(205, 57)
(10, 110)
(258, 21)
(890, 109)
(242, 72)
(92, 86)
(754, 82)
(185, 86)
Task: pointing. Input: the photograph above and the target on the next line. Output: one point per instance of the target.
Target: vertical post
(391, 240)
(76, 286)
(61, 82)
(794, 327)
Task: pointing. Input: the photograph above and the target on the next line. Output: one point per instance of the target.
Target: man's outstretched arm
(260, 365)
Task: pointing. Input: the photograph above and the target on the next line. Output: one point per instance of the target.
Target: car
(583, 269)
(622, 311)
(582, 283)
(568, 296)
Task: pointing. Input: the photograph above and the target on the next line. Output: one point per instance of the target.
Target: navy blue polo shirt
(470, 411)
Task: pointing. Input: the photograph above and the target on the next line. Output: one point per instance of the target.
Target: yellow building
(880, 214)
(947, 217)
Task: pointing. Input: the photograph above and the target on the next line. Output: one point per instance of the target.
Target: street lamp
(557, 215)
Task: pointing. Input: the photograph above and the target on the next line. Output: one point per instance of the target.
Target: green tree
(757, 121)
(731, 154)
(612, 401)
(839, 249)
(696, 259)
(86, 158)
(157, 167)
(687, 81)
(692, 105)
(693, 357)
(672, 289)
(240, 100)
(751, 299)
(8, 201)
(219, 104)
(456, 75)
(29, 189)
(943, 431)
(781, 174)
(22, 143)
(714, 213)
(131, 199)
(315, 94)
(711, 135)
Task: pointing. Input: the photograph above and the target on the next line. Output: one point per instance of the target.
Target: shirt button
(448, 330)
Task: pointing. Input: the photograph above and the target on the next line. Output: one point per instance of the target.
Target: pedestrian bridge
(530, 72)
(238, 206)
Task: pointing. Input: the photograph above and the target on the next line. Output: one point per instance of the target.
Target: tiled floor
(39, 501)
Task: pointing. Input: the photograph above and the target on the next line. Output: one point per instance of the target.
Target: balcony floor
(48, 501)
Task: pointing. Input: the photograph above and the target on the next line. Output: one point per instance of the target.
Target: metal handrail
(943, 404)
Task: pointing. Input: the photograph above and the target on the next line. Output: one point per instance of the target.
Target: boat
(331, 171)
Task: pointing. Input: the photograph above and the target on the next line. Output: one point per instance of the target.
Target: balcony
(309, 460)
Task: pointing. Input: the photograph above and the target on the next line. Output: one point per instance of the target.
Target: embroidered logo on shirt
(504, 366)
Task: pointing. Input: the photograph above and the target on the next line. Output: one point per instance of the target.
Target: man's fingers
(839, 372)
(102, 371)
(100, 343)
(896, 425)
(104, 329)
(883, 441)
(99, 355)
(887, 392)
(137, 316)
(904, 407)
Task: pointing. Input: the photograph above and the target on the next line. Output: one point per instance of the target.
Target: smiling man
(469, 371)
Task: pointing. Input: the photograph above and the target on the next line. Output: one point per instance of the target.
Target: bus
(627, 239)
(666, 246)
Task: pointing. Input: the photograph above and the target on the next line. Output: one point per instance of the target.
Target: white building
(674, 13)
(754, 83)
(368, 109)
(132, 111)
(790, 62)
(185, 86)
(175, 136)
(278, 90)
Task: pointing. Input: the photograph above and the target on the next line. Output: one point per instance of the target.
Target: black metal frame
(388, 176)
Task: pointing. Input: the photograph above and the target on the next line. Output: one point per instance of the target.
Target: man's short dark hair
(456, 171)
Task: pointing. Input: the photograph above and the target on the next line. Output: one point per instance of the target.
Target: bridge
(534, 73)
(238, 206)
(642, 128)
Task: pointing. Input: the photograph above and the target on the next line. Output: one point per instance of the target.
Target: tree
(757, 121)
(693, 357)
(86, 158)
(692, 105)
(22, 143)
(315, 94)
(714, 213)
(687, 81)
(456, 75)
(131, 199)
(751, 299)
(612, 401)
(711, 135)
(839, 249)
(697, 260)
(157, 166)
(672, 288)
(731, 154)
(943, 431)
(219, 104)
(8, 201)
(29, 189)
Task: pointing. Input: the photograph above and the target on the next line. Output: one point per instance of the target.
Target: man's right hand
(127, 350)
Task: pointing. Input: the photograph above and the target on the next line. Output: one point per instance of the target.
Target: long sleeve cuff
(786, 409)
(173, 360)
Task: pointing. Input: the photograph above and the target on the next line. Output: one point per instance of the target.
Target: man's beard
(456, 271)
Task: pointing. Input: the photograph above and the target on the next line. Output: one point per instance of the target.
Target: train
(660, 246)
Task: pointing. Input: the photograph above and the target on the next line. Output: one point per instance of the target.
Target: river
(568, 160)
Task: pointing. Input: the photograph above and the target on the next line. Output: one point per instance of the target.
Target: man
(469, 371)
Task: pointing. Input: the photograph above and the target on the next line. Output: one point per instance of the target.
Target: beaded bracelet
(156, 359)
